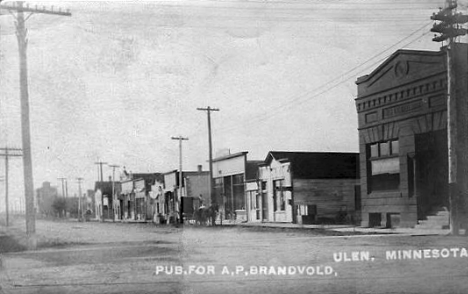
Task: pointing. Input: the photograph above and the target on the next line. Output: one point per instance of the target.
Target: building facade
(180, 199)
(231, 173)
(105, 204)
(307, 187)
(135, 201)
(402, 117)
(45, 197)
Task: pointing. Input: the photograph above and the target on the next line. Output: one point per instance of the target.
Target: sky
(116, 80)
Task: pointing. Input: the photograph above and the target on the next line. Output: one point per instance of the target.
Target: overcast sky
(115, 81)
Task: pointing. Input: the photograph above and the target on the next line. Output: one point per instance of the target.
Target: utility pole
(100, 163)
(114, 200)
(179, 201)
(66, 189)
(63, 193)
(208, 111)
(21, 34)
(80, 209)
(63, 185)
(7, 154)
(448, 28)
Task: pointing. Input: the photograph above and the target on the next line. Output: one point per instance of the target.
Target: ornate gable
(403, 67)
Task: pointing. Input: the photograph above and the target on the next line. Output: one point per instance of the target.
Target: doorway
(431, 172)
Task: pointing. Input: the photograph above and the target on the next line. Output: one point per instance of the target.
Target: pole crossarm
(208, 109)
(11, 6)
(100, 163)
(10, 155)
(5, 152)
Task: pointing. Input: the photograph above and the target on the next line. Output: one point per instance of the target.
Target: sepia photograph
(234, 146)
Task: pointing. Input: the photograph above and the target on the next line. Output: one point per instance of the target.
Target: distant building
(45, 196)
(307, 187)
(402, 115)
(105, 204)
(135, 201)
(194, 187)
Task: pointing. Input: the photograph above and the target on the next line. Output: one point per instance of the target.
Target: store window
(384, 166)
(239, 192)
(279, 202)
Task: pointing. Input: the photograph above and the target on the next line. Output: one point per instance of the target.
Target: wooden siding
(329, 195)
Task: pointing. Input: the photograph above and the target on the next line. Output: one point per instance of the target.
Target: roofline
(365, 78)
(185, 172)
(230, 156)
(170, 172)
(304, 152)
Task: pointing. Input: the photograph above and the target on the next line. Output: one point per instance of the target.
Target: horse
(203, 214)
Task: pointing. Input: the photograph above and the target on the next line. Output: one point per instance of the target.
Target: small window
(374, 148)
(238, 179)
(395, 147)
(384, 149)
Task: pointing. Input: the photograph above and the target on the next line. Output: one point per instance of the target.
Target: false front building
(307, 187)
(402, 117)
(234, 177)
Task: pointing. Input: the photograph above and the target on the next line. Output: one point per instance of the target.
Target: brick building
(402, 117)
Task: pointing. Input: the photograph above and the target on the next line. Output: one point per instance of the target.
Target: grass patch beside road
(15, 240)
(9, 244)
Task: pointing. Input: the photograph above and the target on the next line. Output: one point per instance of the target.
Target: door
(264, 206)
(431, 172)
(258, 200)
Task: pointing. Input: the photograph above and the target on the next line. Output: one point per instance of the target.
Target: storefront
(127, 200)
(231, 173)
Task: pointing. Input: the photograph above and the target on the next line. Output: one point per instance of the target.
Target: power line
(298, 100)
(283, 5)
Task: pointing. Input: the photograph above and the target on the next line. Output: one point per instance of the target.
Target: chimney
(110, 179)
(199, 168)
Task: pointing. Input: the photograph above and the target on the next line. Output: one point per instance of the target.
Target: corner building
(402, 119)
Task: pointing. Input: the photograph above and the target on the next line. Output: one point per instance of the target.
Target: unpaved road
(124, 258)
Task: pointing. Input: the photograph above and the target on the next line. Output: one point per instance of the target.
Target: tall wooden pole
(452, 139)
(212, 195)
(179, 201)
(6, 189)
(114, 200)
(80, 204)
(100, 163)
(21, 34)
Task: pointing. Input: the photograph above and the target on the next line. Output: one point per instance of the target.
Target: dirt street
(139, 258)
